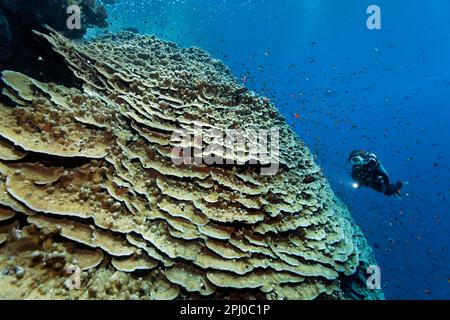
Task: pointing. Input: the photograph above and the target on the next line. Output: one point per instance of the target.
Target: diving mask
(357, 161)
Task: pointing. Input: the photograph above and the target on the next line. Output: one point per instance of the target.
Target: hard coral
(91, 171)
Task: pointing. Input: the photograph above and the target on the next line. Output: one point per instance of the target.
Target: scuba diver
(367, 171)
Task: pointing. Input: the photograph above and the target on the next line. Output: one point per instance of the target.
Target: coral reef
(89, 183)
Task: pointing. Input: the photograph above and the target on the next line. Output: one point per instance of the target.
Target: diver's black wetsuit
(369, 172)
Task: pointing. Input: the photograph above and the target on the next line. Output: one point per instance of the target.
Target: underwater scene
(224, 150)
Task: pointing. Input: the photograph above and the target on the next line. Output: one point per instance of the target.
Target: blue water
(385, 90)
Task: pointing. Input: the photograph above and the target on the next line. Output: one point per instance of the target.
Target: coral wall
(89, 183)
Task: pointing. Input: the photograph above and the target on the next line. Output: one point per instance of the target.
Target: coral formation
(88, 181)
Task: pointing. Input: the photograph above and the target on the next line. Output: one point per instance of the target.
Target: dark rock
(5, 38)
(19, 17)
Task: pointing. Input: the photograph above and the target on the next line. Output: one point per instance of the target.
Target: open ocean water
(343, 87)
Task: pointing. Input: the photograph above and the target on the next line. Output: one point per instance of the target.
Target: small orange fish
(297, 116)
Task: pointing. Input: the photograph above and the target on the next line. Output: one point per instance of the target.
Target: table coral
(88, 171)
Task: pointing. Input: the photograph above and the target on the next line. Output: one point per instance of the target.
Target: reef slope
(93, 206)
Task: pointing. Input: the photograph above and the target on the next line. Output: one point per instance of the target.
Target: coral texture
(88, 182)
